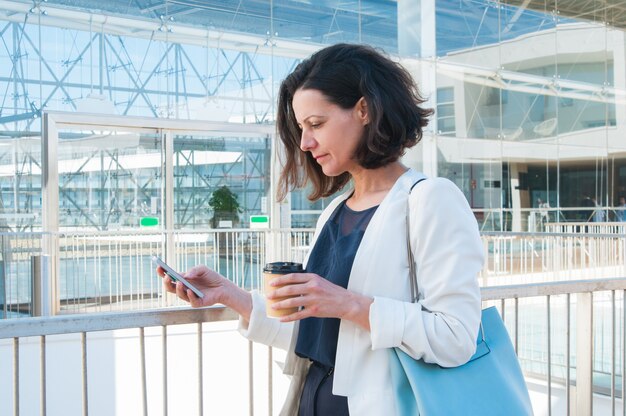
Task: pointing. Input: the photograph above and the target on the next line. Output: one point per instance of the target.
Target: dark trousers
(317, 395)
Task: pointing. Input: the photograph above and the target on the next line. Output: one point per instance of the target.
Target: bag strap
(412, 271)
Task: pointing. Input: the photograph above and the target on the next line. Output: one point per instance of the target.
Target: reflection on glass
(304, 213)
(220, 181)
(20, 182)
(109, 179)
(474, 166)
(471, 24)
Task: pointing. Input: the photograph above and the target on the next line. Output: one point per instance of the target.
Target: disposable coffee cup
(272, 271)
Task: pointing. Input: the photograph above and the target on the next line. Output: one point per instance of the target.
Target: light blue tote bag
(490, 384)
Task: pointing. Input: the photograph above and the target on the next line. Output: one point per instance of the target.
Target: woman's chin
(331, 172)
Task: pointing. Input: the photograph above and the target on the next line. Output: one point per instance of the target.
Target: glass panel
(373, 23)
(616, 134)
(584, 69)
(20, 183)
(528, 38)
(463, 25)
(529, 184)
(20, 215)
(109, 179)
(475, 167)
(304, 213)
(219, 181)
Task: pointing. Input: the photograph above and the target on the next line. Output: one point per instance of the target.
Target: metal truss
(148, 77)
(161, 82)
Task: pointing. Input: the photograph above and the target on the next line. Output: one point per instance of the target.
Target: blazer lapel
(378, 231)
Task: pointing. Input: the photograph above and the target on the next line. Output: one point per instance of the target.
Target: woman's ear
(362, 111)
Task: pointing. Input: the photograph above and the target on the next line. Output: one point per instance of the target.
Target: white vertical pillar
(41, 290)
(167, 207)
(417, 39)
(416, 28)
(50, 203)
(3, 298)
(280, 212)
(519, 197)
(584, 353)
(618, 49)
(429, 153)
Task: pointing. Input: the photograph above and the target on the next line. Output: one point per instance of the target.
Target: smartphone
(175, 275)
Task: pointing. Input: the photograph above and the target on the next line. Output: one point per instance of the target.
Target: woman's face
(329, 132)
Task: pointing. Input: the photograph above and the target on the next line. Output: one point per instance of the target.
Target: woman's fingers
(296, 316)
(168, 284)
(292, 278)
(312, 294)
(194, 300)
(181, 291)
(302, 285)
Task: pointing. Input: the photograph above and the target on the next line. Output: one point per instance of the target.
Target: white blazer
(440, 328)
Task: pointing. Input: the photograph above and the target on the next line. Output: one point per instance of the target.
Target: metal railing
(513, 258)
(112, 271)
(548, 337)
(16, 253)
(586, 227)
(544, 310)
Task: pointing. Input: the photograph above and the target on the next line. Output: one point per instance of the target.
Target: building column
(619, 67)
(520, 197)
(3, 297)
(416, 28)
(417, 45)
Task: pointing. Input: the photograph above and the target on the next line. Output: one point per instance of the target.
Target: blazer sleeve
(260, 328)
(442, 326)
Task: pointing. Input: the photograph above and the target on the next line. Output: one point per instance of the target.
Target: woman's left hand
(319, 298)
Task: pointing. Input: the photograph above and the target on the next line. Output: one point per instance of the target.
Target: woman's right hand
(215, 287)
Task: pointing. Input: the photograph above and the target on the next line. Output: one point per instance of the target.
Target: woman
(346, 115)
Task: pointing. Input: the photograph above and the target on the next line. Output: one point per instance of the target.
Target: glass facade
(530, 102)
(535, 129)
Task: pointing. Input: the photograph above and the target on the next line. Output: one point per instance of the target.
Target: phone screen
(176, 276)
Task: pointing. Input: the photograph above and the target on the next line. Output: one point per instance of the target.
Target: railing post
(42, 289)
(3, 295)
(584, 354)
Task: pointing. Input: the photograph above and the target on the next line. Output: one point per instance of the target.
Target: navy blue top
(332, 258)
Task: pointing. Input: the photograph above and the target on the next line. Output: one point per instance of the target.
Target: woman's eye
(316, 125)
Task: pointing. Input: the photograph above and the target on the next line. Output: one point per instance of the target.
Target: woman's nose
(307, 142)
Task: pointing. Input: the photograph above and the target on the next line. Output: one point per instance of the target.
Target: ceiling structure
(292, 25)
(322, 22)
(612, 12)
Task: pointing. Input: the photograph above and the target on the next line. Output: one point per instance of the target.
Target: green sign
(259, 221)
(149, 222)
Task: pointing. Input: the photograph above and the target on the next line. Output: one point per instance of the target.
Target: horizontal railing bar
(92, 322)
(124, 232)
(551, 288)
(104, 300)
(65, 324)
(549, 234)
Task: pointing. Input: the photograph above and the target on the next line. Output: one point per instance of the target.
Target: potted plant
(226, 211)
(225, 208)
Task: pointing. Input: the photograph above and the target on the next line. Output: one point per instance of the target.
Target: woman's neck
(372, 185)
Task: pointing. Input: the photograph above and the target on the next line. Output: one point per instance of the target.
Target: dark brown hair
(344, 73)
